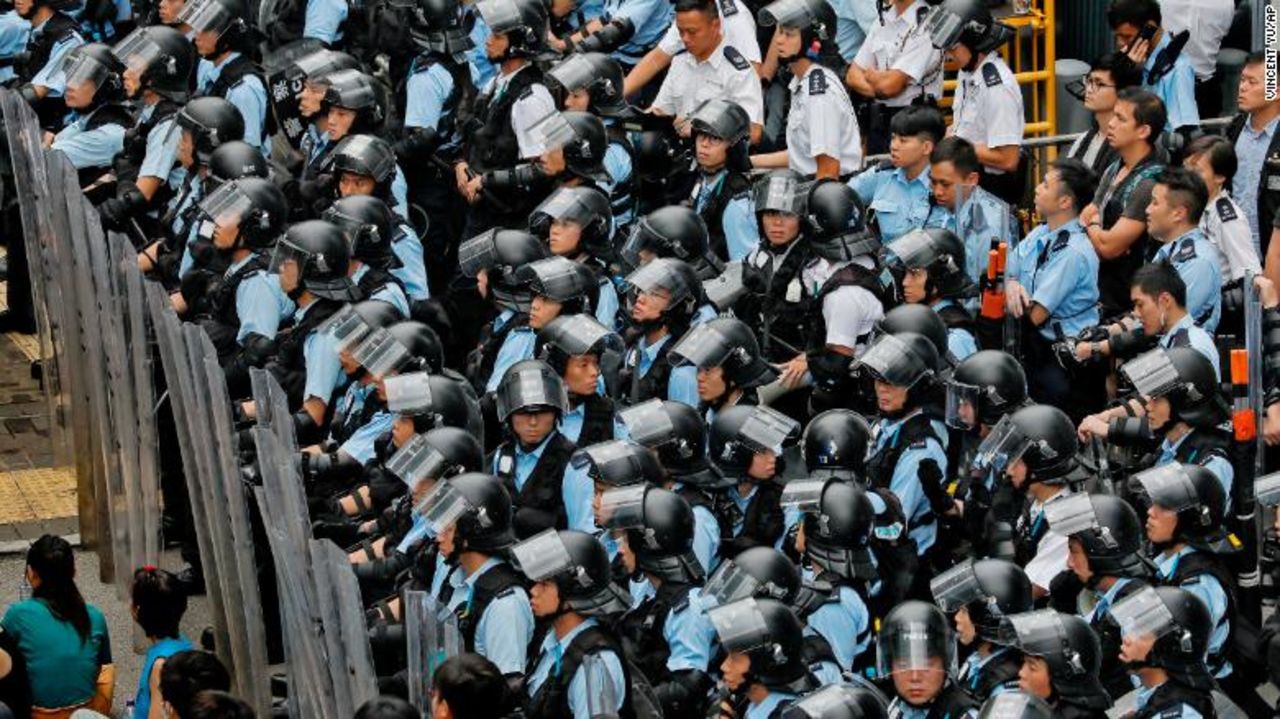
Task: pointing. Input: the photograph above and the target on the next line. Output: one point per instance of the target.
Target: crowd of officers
(598, 327)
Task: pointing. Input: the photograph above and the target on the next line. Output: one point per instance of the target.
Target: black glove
(117, 211)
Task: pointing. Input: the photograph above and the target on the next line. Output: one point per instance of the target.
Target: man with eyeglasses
(1098, 91)
(1256, 185)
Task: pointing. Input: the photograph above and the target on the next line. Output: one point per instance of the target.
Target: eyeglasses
(1095, 84)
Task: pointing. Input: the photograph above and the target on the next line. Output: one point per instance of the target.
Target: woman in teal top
(63, 639)
(158, 606)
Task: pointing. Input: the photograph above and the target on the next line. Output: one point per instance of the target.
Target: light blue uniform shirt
(52, 76)
(765, 708)
(482, 70)
(550, 655)
(400, 194)
(618, 165)
(706, 536)
(845, 624)
(1217, 464)
(650, 18)
(13, 39)
(249, 97)
(1251, 151)
(359, 446)
(1061, 277)
(516, 346)
(737, 220)
(260, 303)
(1177, 89)
(161, 157)
(182, 203)
(526, 460)
(607, 304)
(1196, 260)
(982, 221)
(960, 342)
(505, 629)
(971, 672)
(89, 148)
(1209, 591)
(390, 293)
(682, 384)
(426, 92)
(1200, 340)
(324, 371)
(324, 20)
(412, 271)
(854, 20)
(1186, 711)
(900, 204)
(690, 635)
(905, 483)
(578, 490)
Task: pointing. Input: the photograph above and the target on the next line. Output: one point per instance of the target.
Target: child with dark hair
(158, 603)
(214, 704)
(387, 708)
(187, 674)
(63, 640)
(468, 686)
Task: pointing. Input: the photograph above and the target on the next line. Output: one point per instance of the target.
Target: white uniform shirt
(850, 312)
(534, 105)
(1224, 224)
(900, 42)
(726, 74)
(1051, 551)
(739, 30)
(1208, 20)
(821, 122)
(988, 105)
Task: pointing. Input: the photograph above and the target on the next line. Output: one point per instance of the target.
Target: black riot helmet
(437, 28)
(835, 444)
(983, 388)
(740, 432)
(433, 401)
(838, 520)
(1195, 493)
(912, 637)
(596, 73)
(584, 150)
(409, 346)
(323, 257)
(211, 122)
(1042, 436)
(1108, 531)
(61, 5)
(659, 531)
(678, 434)
(768, 632)
(561, 280)
(368, 225)
(968, 23)
(618, 464)
(578, 564)
(726, 343)
(940, 253)
(906, 359)
(477, 505)
(725, 120)
(762, 572)
(816, 21)
(920, 319)
(501, 254)
(571, 335)
(673, 231)
(530, 386)
(1185, 378)
(835, 223)
(356, 91)
(235, 160)
(227, 18)
(1181, 625)
(437, 454)
(354, 322)
(989, 589)
(1015, 705)
(779, 191)
(316, 65)
(367, 155)
(254, 205)
(1069, 647)
(841, 701)
(588, 207)
(163, 58)
(678, 279)
(524, 22)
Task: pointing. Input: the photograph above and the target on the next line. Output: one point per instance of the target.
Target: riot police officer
(765, 667)
(665, 293)
(1104, 540)
(572, 589)
(581, 351)
(222, 39)
(729, 364)
(53, 34)
(367, 223)
(577, 225)
(841, 701)
(980, 594)
(1061, 658)
(721, 188)
(96, 126)
(673, 232)
(746, 444)
(916, 649)
(1166, 635)
(933, 272)
(557, 286)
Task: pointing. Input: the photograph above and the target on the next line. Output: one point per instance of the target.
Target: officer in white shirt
(822, 130)
(895, 65)
(739, 31)
(988, 104)
(711, 68)
(1224, 224)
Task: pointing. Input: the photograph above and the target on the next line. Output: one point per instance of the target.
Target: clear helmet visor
(298, 59)
(583, 334)
(910, 251)
(408, 393)
(962, 405)
(529, 387)
(227, 205)
(728, 584)
(442, 506)
(478, 253)
(740, 626)
(1151, 373)
(607, 458)
(1143, 614)
(542, 556)
(944, 27)
(286, 252)
(1168, 486)
(137, 51)
(623, 507)
(892, 361)
(417, 460)
(1002, 447)
(346, 327)
(573, 73)
(779, 193)
(80, 68)
(956, 587)
(914, 646)
(804, 495)
(373, 156)
(786, 13)
(563, 204)
(380, 353)
(557, 278)
(648, 424)
(1015, 705)
(656, 277)
(500, 15)
(1267, 489)
(552, 131)
(1071, 515)
(703, 346)
(205, 15)
(1035, 633)
(768, 430)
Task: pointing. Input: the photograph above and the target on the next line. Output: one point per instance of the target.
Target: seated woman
(62, 639)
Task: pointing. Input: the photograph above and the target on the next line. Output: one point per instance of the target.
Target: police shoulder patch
(1226, 212)
(728, 8)
(817, 82)
(526, 92)
(918, 444)
(735, 58)
(1063, 239)
(885, 165)
(1186, 251)
(991, 75)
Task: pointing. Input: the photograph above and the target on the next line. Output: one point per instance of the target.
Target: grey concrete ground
(128, 662)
